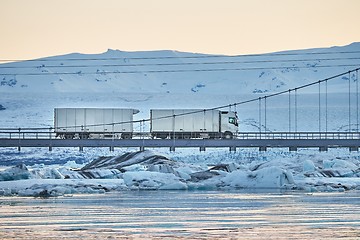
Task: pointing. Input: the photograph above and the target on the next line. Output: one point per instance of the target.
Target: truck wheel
(187, 136)
(69, 136)
(162, 136)
(84, 136)
(228, 135)
(126, 136)
(175, 136)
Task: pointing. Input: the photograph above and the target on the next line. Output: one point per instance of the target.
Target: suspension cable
(326, 106)
(357, 100)
(289, 110)
(349, 102)
(265, 115)
(260, 115)
(319, 106)
(295, 109)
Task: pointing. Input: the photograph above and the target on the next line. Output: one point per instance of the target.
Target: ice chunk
(15, 173)
(152, 180)
(270, 177)
(308, 166)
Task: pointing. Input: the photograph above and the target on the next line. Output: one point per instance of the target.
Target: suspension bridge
(293, 139)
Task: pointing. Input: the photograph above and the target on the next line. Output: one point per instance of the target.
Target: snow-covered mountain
(28, 100)
(179, 72)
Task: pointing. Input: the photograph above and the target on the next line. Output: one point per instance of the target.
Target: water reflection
(179, 214)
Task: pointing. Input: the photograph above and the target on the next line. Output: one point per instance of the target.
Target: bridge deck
(262, 144)
(321, 140)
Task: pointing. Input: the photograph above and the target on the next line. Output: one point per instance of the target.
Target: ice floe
(146, 170)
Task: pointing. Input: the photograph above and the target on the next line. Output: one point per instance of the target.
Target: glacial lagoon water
(183, 215)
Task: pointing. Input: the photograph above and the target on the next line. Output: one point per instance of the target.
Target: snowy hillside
(30, 90)
(178, 72)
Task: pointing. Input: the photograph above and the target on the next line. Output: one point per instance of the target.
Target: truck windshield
(233, 120)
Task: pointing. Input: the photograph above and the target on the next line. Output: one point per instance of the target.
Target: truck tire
(69, 136)
(175, 136)
(84, 135)
(228, 135)
(126, 136)
(187, 136)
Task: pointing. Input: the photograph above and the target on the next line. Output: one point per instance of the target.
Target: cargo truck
(87, 123)
(192, 123)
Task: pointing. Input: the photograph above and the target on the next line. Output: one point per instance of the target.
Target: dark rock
(200, 176)
(128, 159)
(43, 194)
(224, 167)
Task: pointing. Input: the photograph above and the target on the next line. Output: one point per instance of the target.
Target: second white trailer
(192, 123)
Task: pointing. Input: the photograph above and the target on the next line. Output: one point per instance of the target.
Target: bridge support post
(172, 149)
(323, 149)
(19, 148)
(50, 148)
(202, 149)
(112, 148)
(292, 149)
(142, 148)
(81, 149)
(354, 149)
(232, 149)
(262, 149)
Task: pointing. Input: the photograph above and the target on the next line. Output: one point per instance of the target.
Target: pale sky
(39, 28)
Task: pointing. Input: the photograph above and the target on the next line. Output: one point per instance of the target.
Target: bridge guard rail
(23, 134)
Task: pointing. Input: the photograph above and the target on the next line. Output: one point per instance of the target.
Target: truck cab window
(233, 120)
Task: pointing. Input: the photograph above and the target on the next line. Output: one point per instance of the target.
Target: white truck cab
(229, 124)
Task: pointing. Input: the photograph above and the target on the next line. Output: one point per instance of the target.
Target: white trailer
(86, 123)
(192, 123)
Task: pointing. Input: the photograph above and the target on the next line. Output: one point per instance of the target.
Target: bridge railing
(23, 134)
(27, 135)
(298, 135)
